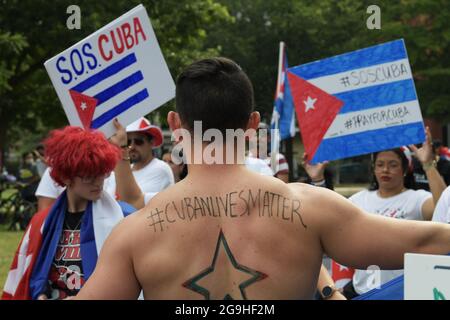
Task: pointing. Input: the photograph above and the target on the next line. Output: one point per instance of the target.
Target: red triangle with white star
(315, 109)
(85, 106)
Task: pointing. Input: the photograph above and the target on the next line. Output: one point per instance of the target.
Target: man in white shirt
(152, 175)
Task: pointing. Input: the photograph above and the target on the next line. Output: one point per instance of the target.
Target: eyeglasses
(391, 166)
(137, 141)
(90, 180)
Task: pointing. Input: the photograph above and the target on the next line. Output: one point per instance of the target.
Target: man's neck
(142, 164)
(75, 203)
(214, 170)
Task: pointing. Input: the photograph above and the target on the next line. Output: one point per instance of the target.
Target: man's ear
(253, 120)
(173, 119)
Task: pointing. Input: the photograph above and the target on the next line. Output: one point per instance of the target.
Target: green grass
(9, 240)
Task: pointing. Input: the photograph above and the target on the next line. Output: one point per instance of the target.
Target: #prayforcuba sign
(357, 103)
(427, 277)
(118, 71)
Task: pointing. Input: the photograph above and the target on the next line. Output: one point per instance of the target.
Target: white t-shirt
(442, 210)
(258, 165)
(406, 205)
(48, 187)
(281, 164)
(154, 177)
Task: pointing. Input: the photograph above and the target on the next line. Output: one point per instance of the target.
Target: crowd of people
(116, 222)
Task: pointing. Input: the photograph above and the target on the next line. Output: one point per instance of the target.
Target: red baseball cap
(143, 125)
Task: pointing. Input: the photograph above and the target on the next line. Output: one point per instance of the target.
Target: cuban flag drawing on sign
(357, 103)
(94, 92)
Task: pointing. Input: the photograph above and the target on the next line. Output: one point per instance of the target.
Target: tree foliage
(32, 31)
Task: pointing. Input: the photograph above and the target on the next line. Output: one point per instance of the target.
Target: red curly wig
(73, 152)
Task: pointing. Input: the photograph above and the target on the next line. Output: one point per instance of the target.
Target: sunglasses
(137, 141)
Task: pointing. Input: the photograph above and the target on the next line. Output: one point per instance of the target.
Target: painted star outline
(192, 283)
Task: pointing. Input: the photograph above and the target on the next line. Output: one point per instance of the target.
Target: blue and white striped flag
(381, 109)
(283, 116)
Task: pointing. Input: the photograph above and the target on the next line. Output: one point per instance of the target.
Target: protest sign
(357, 103)
(118, 71)
(427, 277)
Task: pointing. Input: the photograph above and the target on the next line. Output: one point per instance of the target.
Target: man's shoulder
(130, 225)
(309, 193)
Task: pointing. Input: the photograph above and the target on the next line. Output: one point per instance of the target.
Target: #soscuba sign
(117, 72)
(357, 103)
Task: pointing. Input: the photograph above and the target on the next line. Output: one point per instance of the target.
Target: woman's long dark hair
(408, 180)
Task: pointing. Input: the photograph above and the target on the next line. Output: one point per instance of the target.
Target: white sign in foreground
(427, 277)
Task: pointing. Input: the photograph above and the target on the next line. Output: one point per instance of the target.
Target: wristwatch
(429, 165)
(327, 292)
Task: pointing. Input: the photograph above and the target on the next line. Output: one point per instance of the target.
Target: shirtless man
(225, 232)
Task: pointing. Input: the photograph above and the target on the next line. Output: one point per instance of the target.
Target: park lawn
(9, 240)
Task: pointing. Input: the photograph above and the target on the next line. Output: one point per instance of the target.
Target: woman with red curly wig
(60, 247)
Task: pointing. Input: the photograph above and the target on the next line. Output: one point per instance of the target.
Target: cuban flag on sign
(357, 103)
(120, 78)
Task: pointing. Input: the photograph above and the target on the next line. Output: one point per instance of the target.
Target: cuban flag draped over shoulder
(29, 272)
(357, 103)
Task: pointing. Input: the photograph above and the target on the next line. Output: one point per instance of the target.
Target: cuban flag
(341, 274)
(91, 96)
(444, 153)
(283, 120)
(357, 103)
(283, 117)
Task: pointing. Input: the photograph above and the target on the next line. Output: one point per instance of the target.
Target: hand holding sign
(314, 171)
(120, 137)
(425, 153)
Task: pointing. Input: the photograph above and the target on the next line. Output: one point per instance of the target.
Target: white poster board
(118, 71)
(427, 277)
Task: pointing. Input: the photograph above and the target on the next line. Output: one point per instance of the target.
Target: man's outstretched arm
(113, 277)
(358, 239)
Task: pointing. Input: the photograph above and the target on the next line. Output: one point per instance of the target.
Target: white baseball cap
(143, 125)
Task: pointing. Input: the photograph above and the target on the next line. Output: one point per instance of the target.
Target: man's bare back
(241, 238)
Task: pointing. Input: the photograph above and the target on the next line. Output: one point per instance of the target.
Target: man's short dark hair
(215, 91)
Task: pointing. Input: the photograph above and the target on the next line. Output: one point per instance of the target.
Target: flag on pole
(283, 119)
